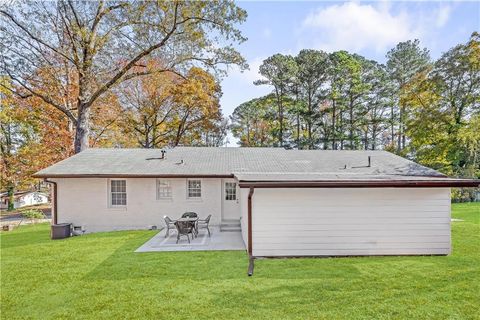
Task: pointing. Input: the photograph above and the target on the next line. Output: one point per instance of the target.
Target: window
(164, 189)
(118, 193)
(230, 191)
(194, 188)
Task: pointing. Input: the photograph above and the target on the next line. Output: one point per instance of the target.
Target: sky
(366, 28)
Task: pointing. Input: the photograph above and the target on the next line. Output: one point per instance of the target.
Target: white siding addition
(342, 222)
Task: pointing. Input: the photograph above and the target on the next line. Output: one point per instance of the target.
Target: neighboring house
(289, 202)
(23, 199)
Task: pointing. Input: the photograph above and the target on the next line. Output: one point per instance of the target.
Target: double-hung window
(118, 193)
(164, 189)
(194, 189)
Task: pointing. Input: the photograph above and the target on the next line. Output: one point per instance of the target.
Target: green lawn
(99, 276)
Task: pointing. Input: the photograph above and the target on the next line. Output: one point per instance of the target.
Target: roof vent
(163, 152)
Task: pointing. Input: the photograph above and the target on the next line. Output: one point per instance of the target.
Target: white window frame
(235, 194)
(168, 188)
(110, 198)
(188, 190)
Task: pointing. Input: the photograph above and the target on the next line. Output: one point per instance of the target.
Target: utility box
(61, 230)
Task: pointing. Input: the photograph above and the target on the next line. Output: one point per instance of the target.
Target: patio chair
(169, 224)
(184, 228)
(192, 215)
(203, 224)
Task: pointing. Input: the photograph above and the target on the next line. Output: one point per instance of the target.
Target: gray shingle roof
(245, 163)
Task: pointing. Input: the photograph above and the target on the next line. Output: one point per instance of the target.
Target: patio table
(191, 220)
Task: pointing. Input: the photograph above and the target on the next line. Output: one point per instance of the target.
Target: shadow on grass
(124, 263)
(24, 236)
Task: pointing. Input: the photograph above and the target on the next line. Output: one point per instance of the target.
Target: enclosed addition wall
(350, 221)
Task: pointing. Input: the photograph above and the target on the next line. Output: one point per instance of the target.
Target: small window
(230, 191)
(194, 188)
(118, 193)
(164, 189)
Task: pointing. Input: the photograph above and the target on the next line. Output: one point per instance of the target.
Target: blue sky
(366, 28)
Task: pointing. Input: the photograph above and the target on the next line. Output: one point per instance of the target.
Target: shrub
(32, 214)
(465, 194)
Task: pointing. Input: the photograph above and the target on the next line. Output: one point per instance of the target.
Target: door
(230, 201)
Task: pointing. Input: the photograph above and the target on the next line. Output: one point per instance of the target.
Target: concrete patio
(231, 240)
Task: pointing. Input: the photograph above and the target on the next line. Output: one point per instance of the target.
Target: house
(288, 202)
(23, 199)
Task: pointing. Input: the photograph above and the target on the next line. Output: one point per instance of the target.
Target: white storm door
(230, 200)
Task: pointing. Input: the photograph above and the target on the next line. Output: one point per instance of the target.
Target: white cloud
(442, 16)
(355, 26)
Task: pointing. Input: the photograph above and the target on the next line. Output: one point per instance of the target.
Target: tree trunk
(82, 133)
(298, 131)
(365, 146)
(309, 122)
(334, 111)
(351, 125)
(11, 198)
(341, 128)
(280, 135)
(400, 129)
(392, 126)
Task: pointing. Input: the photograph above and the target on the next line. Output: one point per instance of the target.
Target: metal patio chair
(203, 224)
(169, 224)
(192, 215)
(184, 228)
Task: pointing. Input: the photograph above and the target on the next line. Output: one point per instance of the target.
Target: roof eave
(127, 175)
(450, 183)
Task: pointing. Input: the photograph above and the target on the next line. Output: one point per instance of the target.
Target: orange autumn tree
(105, 43)
(148, 103)
(167, 109)
(31, 137)
(34, 134)
(197, 119)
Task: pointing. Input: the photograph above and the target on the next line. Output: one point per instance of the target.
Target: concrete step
(230, 228)
(230, 225)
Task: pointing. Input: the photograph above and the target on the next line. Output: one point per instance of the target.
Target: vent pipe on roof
(163, 152)
(369, 161)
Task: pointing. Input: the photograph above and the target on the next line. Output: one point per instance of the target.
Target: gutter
(54, 208)
(123, 175)
(445, 183)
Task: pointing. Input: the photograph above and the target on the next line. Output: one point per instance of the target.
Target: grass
(98, 276)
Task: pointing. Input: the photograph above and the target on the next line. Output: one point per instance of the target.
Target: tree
(403, 63)
(29, 139)
(279, 71)
(166, 109)
(91, 47)
(311, 76)
(377, 105)
(338, 76)
(197, 108)
(148, 105)
(445, 112)
(252, 122)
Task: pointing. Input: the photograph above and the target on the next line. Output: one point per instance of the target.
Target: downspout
(250, 250)
(54, 207)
